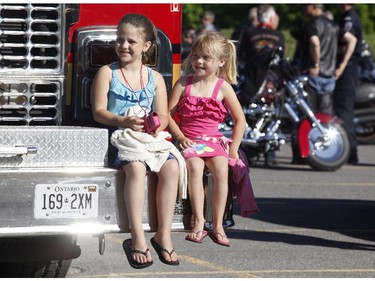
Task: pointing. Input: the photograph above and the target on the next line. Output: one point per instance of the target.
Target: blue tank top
(121, 97)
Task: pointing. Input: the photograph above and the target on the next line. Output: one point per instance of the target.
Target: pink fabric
(199, 120)
(240, 185)
(206, 148)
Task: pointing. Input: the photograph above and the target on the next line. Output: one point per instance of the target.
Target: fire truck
(55, 182)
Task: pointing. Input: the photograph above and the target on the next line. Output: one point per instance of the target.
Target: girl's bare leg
(195, 167)
(218, 167)
(166, 195)
(134, 195)
(152, 181)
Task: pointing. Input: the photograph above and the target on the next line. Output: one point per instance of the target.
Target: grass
(370, 38)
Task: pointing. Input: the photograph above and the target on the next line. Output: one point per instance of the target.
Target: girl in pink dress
(200, 100)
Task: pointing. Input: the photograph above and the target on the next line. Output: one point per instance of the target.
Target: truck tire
(48, 269)
(46, 257)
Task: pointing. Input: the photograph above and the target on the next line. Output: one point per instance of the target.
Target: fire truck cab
(55, 183)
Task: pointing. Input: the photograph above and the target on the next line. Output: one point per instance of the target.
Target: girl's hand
(233, 153)
(154, 134)
(185, 142)
(134, 122)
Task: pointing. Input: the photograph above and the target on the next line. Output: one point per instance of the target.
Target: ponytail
(229, 69)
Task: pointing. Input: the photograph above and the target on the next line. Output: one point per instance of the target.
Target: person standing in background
(208, 19)
(249, 24)
(254, 41)
(315, 57)
(349, 53)
(318, 50)
(265, 35)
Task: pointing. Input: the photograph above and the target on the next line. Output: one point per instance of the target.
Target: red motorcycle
(279, 108)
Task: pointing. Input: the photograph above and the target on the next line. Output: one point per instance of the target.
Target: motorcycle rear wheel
(328, 155)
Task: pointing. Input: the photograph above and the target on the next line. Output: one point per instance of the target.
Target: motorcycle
(364, 103)
(278, 108)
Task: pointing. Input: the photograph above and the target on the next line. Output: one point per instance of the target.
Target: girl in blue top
(117, 87)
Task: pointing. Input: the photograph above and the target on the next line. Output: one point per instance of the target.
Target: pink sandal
(213, 236)
(197, 240)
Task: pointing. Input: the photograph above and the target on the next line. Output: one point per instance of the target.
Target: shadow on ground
(353, 218)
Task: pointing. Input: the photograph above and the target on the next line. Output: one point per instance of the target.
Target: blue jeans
(320, 99)
(322, 85)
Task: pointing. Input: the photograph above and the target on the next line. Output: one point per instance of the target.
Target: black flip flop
(159, 251)
(127, 244)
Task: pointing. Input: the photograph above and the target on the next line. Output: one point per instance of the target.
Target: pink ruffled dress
(199, 120)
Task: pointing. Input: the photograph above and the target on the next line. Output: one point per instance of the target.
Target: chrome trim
(32, 39)
(31, 100)
(17, 202)
(17, 196)
(17, 150)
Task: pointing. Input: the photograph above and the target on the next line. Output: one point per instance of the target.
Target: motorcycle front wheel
(329, 151)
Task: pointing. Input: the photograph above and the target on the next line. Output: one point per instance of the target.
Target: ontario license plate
(66, 201)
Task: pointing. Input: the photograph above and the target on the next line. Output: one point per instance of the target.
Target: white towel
(154, 151)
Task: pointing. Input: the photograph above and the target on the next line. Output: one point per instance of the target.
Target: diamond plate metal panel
(56, 146)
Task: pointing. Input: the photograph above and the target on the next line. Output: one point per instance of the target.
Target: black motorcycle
(364, 107)
(279, 108)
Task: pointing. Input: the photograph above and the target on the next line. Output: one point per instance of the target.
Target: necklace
(142, 88)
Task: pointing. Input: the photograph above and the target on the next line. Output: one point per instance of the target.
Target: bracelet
(316, 65)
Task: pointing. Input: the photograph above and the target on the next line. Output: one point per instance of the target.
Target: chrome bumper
(17, 192)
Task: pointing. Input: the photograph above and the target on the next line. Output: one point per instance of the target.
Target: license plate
(66, 201)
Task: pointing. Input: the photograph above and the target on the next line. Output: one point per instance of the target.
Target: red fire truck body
(167, 17)
(55, 183)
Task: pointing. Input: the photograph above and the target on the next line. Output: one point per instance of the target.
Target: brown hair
(149, 32)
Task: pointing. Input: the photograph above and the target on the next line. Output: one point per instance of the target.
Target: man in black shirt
(265, 35)
(238, 33)
(318, 50)
(249, 24)
(253, 41)
(349, 53)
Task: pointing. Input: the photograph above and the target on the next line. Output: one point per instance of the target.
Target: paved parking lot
(311, 224)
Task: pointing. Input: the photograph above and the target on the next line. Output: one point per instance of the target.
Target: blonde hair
(217, 46)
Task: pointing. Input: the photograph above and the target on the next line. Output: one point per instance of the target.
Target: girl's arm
(173, 128)
(160, 103)
(99, 98)
(238, 116)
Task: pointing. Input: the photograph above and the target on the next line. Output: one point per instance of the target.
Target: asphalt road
(310, 225)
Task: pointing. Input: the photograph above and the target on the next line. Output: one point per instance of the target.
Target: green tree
(191, 15)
